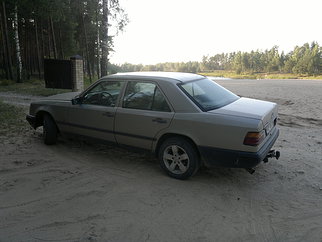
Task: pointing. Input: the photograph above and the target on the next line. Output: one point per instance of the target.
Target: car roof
(155, 75)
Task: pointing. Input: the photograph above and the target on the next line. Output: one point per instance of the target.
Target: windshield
(207, 94)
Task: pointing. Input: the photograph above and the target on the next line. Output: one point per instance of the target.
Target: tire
(178, 158)
(49, 130)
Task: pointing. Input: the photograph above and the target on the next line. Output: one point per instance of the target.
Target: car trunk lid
(251, 108)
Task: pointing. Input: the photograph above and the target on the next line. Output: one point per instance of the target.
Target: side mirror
(77, 100)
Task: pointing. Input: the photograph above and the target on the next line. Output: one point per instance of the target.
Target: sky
(185, 30)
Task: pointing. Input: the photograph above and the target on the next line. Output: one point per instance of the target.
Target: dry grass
(12, 119)
(232, 74)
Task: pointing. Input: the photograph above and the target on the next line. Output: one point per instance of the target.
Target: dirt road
(17, 99)
(86, 192)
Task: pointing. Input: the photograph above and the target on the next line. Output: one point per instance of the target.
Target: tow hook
(272, 154)
(250, 170)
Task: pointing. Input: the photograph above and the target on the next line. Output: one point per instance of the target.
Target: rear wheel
(179, 158)
(49, 130)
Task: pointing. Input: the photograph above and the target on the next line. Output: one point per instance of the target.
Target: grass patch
(30, 87)
(234, 75)
(33, 87)
(12, 119)
(231, 74)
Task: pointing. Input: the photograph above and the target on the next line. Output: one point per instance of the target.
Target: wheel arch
(40, 118)
(170, 135)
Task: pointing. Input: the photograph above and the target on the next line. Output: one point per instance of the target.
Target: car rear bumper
(31, 120)
(213, 157)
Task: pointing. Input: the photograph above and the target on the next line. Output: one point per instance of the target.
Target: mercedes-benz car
(187, 120)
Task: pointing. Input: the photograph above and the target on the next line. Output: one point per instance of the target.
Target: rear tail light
(254, 138)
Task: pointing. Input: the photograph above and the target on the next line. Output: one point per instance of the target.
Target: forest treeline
(306, 59)
(31, 30)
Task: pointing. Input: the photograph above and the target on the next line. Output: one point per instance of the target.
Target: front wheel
(179, 158)
(49, 130)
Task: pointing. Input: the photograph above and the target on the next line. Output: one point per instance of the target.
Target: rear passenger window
(159, 102)
(145, 96)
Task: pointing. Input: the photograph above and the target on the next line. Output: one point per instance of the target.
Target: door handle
(108, 114)
(159, 120)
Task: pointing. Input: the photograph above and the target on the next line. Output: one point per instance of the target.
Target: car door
(144, 112)
(94, 116)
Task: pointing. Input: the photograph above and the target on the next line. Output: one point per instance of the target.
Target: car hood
(63, 97)
(250, 108)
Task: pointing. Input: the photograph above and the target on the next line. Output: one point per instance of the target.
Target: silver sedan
(187, 120)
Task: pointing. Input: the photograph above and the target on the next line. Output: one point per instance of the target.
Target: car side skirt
(105, 130)
(214, 157)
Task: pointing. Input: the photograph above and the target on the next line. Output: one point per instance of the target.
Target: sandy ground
(87, 192)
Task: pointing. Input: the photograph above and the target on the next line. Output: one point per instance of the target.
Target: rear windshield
(207, 94)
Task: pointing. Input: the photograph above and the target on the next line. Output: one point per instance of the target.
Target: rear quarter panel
(178, 100)
(214, 130)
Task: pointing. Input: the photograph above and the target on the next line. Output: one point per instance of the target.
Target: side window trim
(155, 90)
(121, 93)
(83, 94)
(165, 97)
